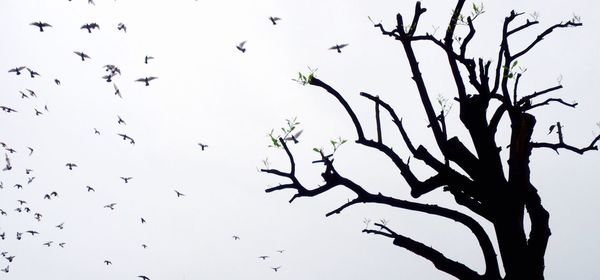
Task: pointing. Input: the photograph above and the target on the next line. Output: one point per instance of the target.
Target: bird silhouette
(117, 91)
(17, 70)
(551, 129)
(144, 246)
(338, 47)
(276, 268)
(143, 220)
(30, 150)
(31, 93)
(41, 25)
(91, 2)
(48, 243)
(274, 20)
(37, 112)
(241, 47)
(202, 146)
(19, 235)
(30, 180)
(18, 186)
(280, 251)
(23, 95)
(125, 137)
(122, 26)
(57, 82)
(294, 137)
(108, 78)
(235, 237)
(18, 209)
(32, 232)
(143, 277)
(32, 73)
(60, 226)
(178, 193)
(47, 196)
(263, 257)
(3, 235)
(120, 121)
(126, 179)
(90, 189)
(6, 269)
(110, 206)
(70, 165)
(62, 244)
(37, 216)
(146, 80)
(96, 131)
(107, 262)
(147, 58)
(2, 212)
(82, 55)
(8, 109)
(10, 258)
(27, 171)
(21, 202)
(90, 26)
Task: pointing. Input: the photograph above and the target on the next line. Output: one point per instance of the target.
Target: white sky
(207, 91)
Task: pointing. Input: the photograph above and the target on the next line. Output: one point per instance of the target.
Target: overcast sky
(207, 91)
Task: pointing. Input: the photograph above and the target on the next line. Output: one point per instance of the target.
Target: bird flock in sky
(27, 208)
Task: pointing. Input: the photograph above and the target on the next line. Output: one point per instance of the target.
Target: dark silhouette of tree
(477, 180)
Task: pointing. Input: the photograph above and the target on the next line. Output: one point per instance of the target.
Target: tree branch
(543, 34)
(547, 102)
(562, 145)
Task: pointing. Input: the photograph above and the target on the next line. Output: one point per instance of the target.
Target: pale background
(209, 92)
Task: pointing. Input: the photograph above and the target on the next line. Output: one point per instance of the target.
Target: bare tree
(477, 180)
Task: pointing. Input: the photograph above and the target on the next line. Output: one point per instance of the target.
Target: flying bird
(27, 171)
(235, 237)
(117, 91)
(41, 25)
(23, 95)
(551, 129)
(108, 78)
(107, 262)
(294, 137)
(57, 82)
(120, 121)
(30, 179)
(144, 246)
(21, 202)
(60, 226)
(3, 235)
(240, 46)
(146, 80)
(90, 26)
(280, 251)
(263, 257)
(70, 165)
(276, 268)
(143, 277)
(202, 146)
(18, 186)
(178, 193)
(338, 47)
(62, 244)
(17, 70)
(37, 216)
(10, 258)
(274, 20)
(122, 26)
(146, 58)
(111, 206)
(126, 179)
(48, 243)
(8, 109)
(32, 232)
(37, 112)
(30, 150)
(82, 55)
(90, 189)
(125, 137)
(96, 131)
(33, 73)
(143, 220)
(6, 269)
(19, 235)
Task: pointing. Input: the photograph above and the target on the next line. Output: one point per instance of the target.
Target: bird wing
(342, 45)
(241, 45)
(141, 80)
(152, 78)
